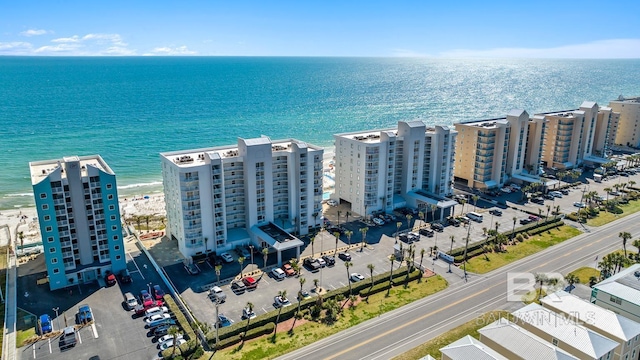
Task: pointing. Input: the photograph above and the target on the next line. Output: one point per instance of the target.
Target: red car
(111, 279)
(288, 270)
(146, 299)
(250, 282)
(158, 292)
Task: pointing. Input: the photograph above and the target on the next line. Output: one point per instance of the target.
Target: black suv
(125, 277)
(329, 259)
(495, 212)
(344, 256)
(426, 232)
(437, 227)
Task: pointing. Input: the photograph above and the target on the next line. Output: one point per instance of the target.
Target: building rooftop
(195, 157)
(41, 169)
(592, 314)
(487, 124)
(522, 342)
(625, 284)
(470, 348)
(373, 136)
(621, 98)
(566, 331)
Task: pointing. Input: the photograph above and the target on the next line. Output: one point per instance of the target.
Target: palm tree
(398, 224)
(337, 236)
(371, 267)
(539, 215)
(218, 268)
(295, 265)
(462, 202)
(557, 210)
(392, 258)
(572, 279)
(265, 256)
(636, 243)
(240, 261)
(295, 318)
(316, 282)
(21, 236)
(625, 236)
(608, 190)
(173, 331)
(249, 307)
(302, 281)
(542, 279)
(422, 216)
(409, 217)
(283, 295)
(349, 233)
(452, 241)
(315, 219)
(312, 240)
(433, 209)
(513, 231)
(338, 213)
(348, 264)
(364, 236)
(346, 215)
(422, 251)
(548, 210)
(475, 201)
(146, 218)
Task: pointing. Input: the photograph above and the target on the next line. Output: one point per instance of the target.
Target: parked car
(355, 277)
(248, 314)
(334, 229)
(329, 259)
(168, 344)
(557, 194)
(495, 212)
(564, 191)
(332, 202)
(110, 278)
(549, 196)
(537, 200)
(158, 293)
(311, 264)
(250, 282)
(304, 294)
(515, 187)
(405, 238)
(69, 337)
(278, 274)
(216, 294)
(579, 204)
(224, 321)
(226, 257)
(426, 232)
(378, 221)
(157, 317)
(130, 301)
(280, 301)
(45, 324)
(506, 190)
(321, 262)
(243, 251)
(125, 277)
(161, 322)
(344, 256)
(85, 315)
(238, 287)
(192, 269)
(453, 221)
(288, 269)
(156, 310)
(146, 299)
(161, 330)
(533, 218)
(166, 338)
(525, 221)
(437, 227)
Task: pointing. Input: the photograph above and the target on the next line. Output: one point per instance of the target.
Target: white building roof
(566, 331)
(41, 169)
(470, 348)
(522, 342)
(625, 284)
(609, 322)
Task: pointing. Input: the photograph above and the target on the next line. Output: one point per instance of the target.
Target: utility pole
(57, 317)
(217, 323)
(466, 246)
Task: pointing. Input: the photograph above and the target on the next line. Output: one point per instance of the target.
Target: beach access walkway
(10, 304)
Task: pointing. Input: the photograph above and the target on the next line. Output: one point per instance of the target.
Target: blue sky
(530, 29)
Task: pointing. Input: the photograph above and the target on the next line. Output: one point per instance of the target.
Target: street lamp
(251, 248)
(217, 321)
(57, 317)
(149, 285)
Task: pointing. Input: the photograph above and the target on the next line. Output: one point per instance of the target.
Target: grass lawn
(584, 273)
(311, 331)
(532, 245)
(607, 217)
(433, 346)
(25, 327)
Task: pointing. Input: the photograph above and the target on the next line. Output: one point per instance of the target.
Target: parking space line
(265, 281)
(341, 283)
(265, 310)
(95, 331)
(79, 337)
(136, 264)
(333, 286)
(34, 350)
(50, 351)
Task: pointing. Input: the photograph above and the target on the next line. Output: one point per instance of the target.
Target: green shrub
(180, 318)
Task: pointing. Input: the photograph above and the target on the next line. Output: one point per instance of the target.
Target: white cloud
(167, 51)
(60, 48)
(73, 39)
(407, 53)
(34, 32)
(603, 49)
(119, 51)
(114, 39)
(15, 48)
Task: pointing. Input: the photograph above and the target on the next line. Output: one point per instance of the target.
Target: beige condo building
(627, 133)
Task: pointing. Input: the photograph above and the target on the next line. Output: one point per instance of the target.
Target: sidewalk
(9, 342)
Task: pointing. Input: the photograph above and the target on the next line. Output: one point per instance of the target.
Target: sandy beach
(25, 220)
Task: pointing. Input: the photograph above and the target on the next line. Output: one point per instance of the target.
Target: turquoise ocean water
(130, 109)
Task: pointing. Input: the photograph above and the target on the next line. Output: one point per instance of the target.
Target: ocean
(129, 109)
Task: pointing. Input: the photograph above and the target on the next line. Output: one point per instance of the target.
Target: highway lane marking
(443, 308)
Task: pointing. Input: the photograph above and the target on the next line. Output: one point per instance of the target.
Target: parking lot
(115, 334)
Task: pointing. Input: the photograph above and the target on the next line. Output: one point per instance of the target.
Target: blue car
(224, 321)
(45, 324)
(84, 314)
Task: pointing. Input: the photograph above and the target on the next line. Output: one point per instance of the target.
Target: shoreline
(132, 204)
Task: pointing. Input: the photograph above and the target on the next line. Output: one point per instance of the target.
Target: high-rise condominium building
(380, 170)
(488, 152)
(77, 204)
(253, 193)
(628, 133)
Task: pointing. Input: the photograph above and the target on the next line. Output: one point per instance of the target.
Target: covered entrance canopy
(420, 197)
(277, 238)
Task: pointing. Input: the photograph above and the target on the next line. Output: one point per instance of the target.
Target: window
(56, 271)
(114, 228)
(118, 257)
(112, 217)
(116, 248)
(110, 197)
(43, 196)
(47, 218)
(109, 186)
(54, 261)
(50, 239)
(48, 229)
(52, 250)
(45, 207)
(115, 238)
(112, 207)
(554, 341)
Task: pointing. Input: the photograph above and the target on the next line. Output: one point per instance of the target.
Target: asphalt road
(395, 332)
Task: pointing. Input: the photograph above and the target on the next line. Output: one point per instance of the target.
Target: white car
(157, 317)
(246, 314)
(168, 344)
(157, 310)
(280, 301)
(355, 277)
(505, 190)
(216, 294)
(226, 257)
(515, 186)
(378, 221)
(278, 273)
(556, 194)
(322, 262)
(332, 202)
(579, 204)
(169, 337)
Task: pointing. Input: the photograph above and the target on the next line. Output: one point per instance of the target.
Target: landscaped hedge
(183, 350)
(251, 334)
(544, 228)
(386, 284)
(180, 318)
